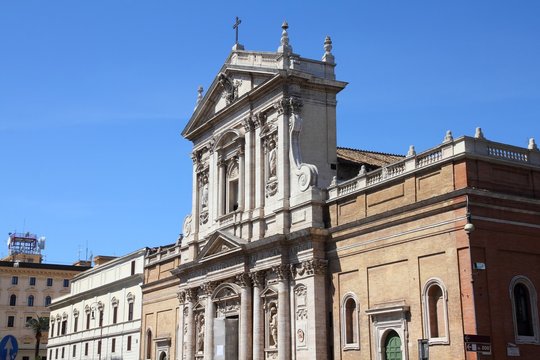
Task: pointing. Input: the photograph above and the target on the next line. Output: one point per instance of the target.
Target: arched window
(435, 306)
(349, 322)
(13, 300)
(230, 149)
(31, 300)
(148, 344)
(48, 300)
(524, 310)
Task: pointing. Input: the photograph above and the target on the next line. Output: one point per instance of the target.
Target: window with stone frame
(13, 300)
(230, 149)
(131, 305)
(524, 310)
(435, 308)
(350, 333)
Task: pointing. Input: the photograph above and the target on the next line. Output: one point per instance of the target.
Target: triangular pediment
(220, 243)
(232, 83)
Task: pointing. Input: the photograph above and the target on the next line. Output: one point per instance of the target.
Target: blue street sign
(8, 348)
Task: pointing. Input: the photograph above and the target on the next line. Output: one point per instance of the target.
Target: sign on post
(477, 343)
(8, 348)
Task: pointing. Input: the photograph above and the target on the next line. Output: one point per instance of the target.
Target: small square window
(14, 280)
(28, 318)
(32, 281)
(66, 283)
(49, 281)
(11, 321)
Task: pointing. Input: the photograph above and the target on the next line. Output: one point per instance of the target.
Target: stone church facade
(298, 249)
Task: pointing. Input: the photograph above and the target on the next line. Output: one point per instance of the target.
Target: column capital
(191, 295)
(181, 295)
(282, 271)
(311, 267)
(258, 278)
(247, 122)
(243, 280)
(208, 288)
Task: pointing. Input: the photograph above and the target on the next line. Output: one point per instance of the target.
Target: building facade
(298, 249)
(160, 306)
(28, 287)
(101, 317)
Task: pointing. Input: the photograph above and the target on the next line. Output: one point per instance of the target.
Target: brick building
(299, 249)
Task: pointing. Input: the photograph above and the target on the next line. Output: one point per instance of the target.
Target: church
(298, 249)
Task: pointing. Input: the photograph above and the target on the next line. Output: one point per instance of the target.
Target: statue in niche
(273, 325)
(200, 335)
(272, 180)
(204, 195)
(272, 160)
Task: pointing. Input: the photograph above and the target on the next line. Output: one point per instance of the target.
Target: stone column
(221, 180)
(258, 315)
(180, 333)
(195, 199)
(209, 314)
(245, 340)
(241, 178)
(284, 324)
(248, 165)
(191, 297)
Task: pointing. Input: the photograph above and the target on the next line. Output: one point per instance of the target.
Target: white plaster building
(101, 317)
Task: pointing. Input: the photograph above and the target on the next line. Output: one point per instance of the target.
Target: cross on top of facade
(235, 27)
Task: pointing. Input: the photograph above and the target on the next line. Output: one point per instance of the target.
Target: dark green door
(392, 346)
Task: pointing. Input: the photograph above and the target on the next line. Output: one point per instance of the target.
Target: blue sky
(94, 95)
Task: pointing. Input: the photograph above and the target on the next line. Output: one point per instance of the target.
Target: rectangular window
(50, 353)
(75, 323)
(113, 345)
(64, 327)
(85, 349)
(11, 321)
(66, 283)
(56, 353)
(52, 328)
(115, 315)
(14, 280)
(99, 347)
(28, 318)
(31, 300)
(133, 267)
(129, 343)
(87, 320)
(49, 281)
(32, 281)
(130, 311)
(26, 358)
(74, 352)
(58, 329)
(63, 352)
(100, 318)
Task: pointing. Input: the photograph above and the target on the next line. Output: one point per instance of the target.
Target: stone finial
(411, 152)
(285, 47)
(328, 57)
(448, 137)
(334, 181)
(532, 144)
(199, 96)
(478, 134)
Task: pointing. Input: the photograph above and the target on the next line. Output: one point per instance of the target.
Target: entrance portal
(392, 346)
(226, 339)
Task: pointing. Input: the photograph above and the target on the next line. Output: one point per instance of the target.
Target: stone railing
(463, 146)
